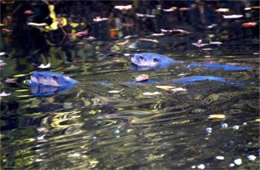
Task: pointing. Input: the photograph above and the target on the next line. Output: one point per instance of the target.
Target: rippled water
(110, 121)
(90, 127)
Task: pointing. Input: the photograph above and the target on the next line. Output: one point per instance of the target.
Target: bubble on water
(118, 136)
(251, 157)
(245, 123)
(220, 157)
(209, 129)
(193, 166)
(201, 166)
(94, 138)
(117, 131)
(231, 165)
(235, 127)
(224, 125)
(238, 161)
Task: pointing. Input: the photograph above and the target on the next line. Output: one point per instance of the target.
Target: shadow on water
(188, 115)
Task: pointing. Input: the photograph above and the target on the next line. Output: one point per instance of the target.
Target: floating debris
(232, 16)
(170, 9)
(238, 161)
(2, 53)
(209, 129)
(165, 87)
(215, 43)
(251, 157)
(73, 155)
(217, 116)
(94, 138)
(129, 130)
(179, 89)
(222, 10)
(200, 44)
(220, 157)
(99, 19)
(231, 165)
(224, 125)
(235, 127)
(8, 80)
(117, 131)
(123, 7)
(142, 78)
(42, 66)
(249, 24)
(4, 94)
(151, 93)
(115, 91)
(201, 166)
(144, 15)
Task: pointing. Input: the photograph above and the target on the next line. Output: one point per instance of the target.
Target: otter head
(144, 60)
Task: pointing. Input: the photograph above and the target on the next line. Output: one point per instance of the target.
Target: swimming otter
(50, 79)
(146, 61)
(49, 83)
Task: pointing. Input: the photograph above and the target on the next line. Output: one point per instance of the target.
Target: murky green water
(109, 121)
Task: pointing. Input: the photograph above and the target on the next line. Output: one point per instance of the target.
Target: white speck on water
(201, 166)
(251, 157)
(72, 155)
(224, 125)
(193, 166)
(220, 157)
(117, 131)
(231, 165)
(209, 129)
(41, 137)
(38, 160)
(235, 127)
(118, 136)
(245, 123)
(238, 161)
(94, 138)
(128, 130)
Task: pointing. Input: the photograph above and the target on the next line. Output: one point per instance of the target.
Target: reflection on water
(109, 121)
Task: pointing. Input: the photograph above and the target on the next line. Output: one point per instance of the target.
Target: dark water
(109, 121)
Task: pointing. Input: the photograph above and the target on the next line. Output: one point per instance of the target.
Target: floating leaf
(2, 63)
(179, 89)
(142, 77)
(115, 91)
(222, 10)
(217, 116)
(99, 19)
(184, 9)
(151, 93)
(123, 7)
(257, 120)
(249, 24)
(42, 66)
(10, 80)
(232, 16)
(28, 12)
(4, 94)
(165, 87)
(200, 44)
(170, 9)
